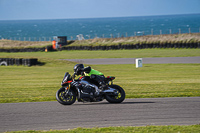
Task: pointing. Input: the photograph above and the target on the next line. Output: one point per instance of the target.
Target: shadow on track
(100, 103)
(136, 102)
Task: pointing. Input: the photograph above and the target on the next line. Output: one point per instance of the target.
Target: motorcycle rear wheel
(65, 98)
(118, 97)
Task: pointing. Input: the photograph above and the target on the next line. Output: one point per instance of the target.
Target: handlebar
(74, 76)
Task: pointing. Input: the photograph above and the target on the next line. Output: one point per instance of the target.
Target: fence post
(126, 34)
(170, 31)
(135, 33)
(189, 30)
(160, 32)
(151, 31)
(179, 31)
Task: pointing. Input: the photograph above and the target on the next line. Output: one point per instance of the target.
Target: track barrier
(109, 47)
(18, 61)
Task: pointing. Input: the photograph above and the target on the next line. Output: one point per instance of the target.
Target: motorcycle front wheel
(64, 97)
(117, 97)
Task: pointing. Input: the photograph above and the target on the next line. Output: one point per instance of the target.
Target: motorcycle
(84, 89)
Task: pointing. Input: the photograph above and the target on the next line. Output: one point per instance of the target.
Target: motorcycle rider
(95, 75)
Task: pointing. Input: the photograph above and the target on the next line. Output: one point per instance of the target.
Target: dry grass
(22, 44)
(173, 38)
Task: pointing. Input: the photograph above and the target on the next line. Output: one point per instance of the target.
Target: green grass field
(144, 129)
(40, 83)
(85, 54)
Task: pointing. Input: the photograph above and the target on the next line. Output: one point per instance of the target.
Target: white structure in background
(138, 62)
(80, 37)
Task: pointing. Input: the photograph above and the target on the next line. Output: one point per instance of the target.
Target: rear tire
(65, 98)
(118, 97)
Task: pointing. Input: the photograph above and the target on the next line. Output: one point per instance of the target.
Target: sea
(88, 28)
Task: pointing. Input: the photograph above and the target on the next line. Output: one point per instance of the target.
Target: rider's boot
(103, 86)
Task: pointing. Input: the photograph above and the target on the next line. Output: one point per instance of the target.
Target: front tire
(65, 98)
(117, 97)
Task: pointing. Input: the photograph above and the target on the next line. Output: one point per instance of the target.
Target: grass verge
(142, 53)
(40, 83)
(143, 129)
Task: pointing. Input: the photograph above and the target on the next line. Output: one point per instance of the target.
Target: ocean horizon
(44, 30)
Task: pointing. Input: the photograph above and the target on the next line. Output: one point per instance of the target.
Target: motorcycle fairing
(66, 82)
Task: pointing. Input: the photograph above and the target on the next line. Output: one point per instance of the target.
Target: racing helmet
(77, 69)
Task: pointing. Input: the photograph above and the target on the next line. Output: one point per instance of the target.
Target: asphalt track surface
(132, 112)
(161, 60)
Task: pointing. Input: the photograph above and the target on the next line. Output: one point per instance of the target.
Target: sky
(68, 9)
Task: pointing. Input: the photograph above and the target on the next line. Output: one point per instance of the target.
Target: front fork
(67, 88)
